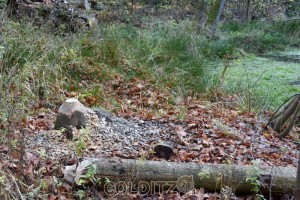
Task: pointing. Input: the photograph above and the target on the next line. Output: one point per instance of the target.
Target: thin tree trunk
(215, 24)
(151, 3)
(248, 10)
(202, 14)
(132, 6)
(239, 9)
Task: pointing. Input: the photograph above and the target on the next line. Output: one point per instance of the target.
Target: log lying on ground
(208, 176)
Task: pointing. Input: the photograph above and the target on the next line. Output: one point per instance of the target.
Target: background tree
(248, 10)
(220, 11)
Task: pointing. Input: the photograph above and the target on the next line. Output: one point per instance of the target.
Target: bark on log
(276, 180)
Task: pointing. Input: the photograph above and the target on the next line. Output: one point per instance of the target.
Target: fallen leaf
(180, 131)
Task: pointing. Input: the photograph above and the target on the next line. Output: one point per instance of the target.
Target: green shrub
(2, 4)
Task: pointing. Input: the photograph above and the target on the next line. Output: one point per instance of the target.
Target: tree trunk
(215, 24)
(132, 6)
(248, 10)
(276, 180)
(202, 14)
(151, 3)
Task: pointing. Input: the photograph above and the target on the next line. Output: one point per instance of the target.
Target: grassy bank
(38, 65)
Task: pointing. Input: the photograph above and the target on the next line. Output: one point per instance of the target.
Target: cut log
(275, 180)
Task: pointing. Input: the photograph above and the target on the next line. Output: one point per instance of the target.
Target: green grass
(170, 55)
(262, 83)
(23, 71)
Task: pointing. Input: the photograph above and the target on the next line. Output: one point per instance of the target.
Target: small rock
(71, 113)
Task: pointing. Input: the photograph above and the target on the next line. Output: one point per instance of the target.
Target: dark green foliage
(218, 48)
(289, 28)
(293, 8)
(170, 53)
(259, 37)
(2, 3)
(110, 52)
(16, 55)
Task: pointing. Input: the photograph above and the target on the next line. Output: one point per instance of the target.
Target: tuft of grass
(172, 54)
(27, 65)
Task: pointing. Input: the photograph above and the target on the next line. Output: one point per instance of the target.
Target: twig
(16, 184)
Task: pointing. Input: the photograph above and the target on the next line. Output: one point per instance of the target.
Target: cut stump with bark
(164, 149)
(71, 113)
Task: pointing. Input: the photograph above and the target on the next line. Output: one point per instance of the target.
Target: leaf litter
(202, 132)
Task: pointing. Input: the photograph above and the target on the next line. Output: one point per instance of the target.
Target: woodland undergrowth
(38, 70)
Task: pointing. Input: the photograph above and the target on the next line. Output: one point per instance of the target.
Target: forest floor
(130, 72)
(213, 131)
(202, 131)
(210, 129)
